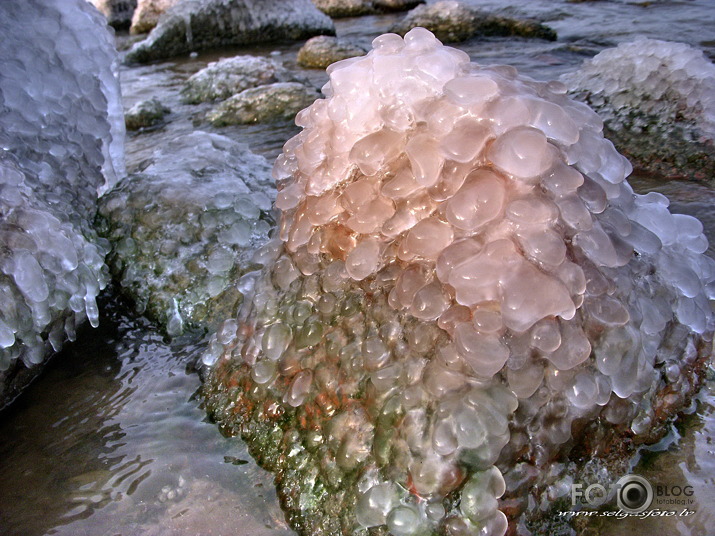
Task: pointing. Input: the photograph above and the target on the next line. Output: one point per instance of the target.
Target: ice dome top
(496, 196)
(461, 273)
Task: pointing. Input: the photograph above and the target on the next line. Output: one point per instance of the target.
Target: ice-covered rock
(463, 293)
(147, 13)
(322, 50)
(118, 12)
(192, 25)
(226, 77)
(657, 100)
(183, 229)
(145, 114)
(453, 21)
(270, 102)
(354, 8)
(62, 135)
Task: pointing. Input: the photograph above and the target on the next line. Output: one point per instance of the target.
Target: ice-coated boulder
(183, 229)
(465, 301)
(145, 114)
(118, 12)
(147, 13)
(657, 99)
(62, 134)
(226, 77)
(270, 102)
(354, 8)
(320, 51)
(454, 21)
(192, 25)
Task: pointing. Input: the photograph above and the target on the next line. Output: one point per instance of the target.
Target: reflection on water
(110, 441)
(690, 461)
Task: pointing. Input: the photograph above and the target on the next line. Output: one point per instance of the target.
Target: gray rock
(355, 8)
(271, 102)
(144, 114)
(118, 12)
(184, 229)
(396, 5)
(344, 8)
(320, 51)
(203, 24)
(147, 13)
(453, 21)
(229, 76)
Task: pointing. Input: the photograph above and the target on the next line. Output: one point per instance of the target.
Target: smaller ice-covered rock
(453, 21)
(657, 100)
(147, 13)
(192, 25)
(271, 102)
(183, 230)
(145, 114)
(226, 77)
(323, 50)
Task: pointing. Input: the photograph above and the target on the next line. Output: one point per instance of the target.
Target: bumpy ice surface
(461, 267)
(61, 133)
(662, 89)
(184, 228)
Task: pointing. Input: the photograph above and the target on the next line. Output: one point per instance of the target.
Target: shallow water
(111, 441)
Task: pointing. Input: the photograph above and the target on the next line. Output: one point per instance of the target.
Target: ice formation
(61, 133)
(192, 25)
(657, 99)
(184, 229)
(463, 285)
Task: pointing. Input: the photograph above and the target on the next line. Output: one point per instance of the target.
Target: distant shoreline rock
(320, 51)
(193, 25)
(452, 21)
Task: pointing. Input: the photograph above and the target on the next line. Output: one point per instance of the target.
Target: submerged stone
(145, 114)
(464, 301)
